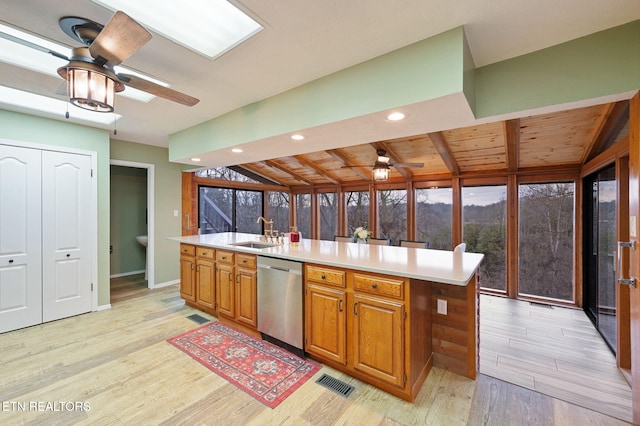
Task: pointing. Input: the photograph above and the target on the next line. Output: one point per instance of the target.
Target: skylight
(31, 101)
(209, 27)
(14, 53)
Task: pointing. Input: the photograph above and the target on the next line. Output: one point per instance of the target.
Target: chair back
(379, 241)
(414, 244)
(460, 248)
(342, 239)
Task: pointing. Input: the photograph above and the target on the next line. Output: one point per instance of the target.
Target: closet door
(66, 236)
(20, 232)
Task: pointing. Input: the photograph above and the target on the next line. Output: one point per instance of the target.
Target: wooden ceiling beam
(294, 175)
(405, 172)
(322, 172)
(512, 143)
(613, 121)
(340, 156)
(251, 167)
(440, 142)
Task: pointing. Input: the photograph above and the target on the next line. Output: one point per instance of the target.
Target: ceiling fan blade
(407, 164)
(118, 40)
(158, 90)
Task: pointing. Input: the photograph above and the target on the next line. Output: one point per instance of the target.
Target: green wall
(168, 197)
(27, 128)
(128, 219)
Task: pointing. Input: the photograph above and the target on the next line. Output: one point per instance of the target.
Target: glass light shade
(380, 173)
(91, 90)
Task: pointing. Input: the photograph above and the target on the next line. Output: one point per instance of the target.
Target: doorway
(147, 215)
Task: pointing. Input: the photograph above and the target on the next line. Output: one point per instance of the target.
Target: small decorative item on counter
(362, 234)
(294, 235)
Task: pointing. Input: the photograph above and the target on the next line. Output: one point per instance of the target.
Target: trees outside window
(546, 237)
(433, 217)
(357, 203)
(485, 231)
(303, 214)
(278, 205)
(328, 202)
(229, 210)
(392, 215)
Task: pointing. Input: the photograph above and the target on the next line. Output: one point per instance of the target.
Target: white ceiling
(303, 40)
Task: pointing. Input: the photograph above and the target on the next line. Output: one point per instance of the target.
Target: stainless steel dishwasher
(280, 300)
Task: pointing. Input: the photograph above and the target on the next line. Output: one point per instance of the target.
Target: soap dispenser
(294, 235)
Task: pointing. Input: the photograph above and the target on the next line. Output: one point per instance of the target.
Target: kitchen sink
(253, 244)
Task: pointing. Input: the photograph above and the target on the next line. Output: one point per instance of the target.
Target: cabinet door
(246, 299)
(378, 338)
(205, 280)
(188, 278)
(325, 322)
(225, 291)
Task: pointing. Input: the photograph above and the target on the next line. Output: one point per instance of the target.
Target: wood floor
(555, 351)
(115, 367)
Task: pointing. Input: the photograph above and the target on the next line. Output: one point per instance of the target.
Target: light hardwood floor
(553, 350)
(118, 363)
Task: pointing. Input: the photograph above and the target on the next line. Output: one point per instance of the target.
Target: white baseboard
(104, 307)
(166, 284)
(125, 274)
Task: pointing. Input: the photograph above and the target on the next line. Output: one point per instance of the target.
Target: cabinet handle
(238, 278)
(244, 261)
(10, 260)
(340, 305)
(354, 308)
(324, 277)
(374, 285)
(224, 257)
(230, 276)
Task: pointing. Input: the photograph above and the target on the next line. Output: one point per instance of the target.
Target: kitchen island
(382, 314)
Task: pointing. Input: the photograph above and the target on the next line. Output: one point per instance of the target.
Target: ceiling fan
(380, 168)
(103, 48)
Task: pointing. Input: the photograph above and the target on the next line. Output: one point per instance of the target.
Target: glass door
(600, 252)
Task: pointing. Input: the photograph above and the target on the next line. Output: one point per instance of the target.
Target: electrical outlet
(442, 306)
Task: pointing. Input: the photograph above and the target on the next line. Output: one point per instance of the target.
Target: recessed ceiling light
(208, 27)
(236, 150)
(196, 159)
(297, 137)
(395, 116)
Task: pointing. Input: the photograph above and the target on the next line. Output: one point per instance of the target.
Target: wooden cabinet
(374, 327)
(236, 287)
(188, 272)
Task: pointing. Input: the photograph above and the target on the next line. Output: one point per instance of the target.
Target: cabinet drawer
(187, 249)
(205, 252)
(246, 261)
(225, 256)
(334, 277)
(372, 284)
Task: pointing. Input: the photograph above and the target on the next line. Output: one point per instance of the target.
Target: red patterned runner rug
(265, 371)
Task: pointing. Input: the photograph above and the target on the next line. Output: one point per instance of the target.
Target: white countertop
(424, 264)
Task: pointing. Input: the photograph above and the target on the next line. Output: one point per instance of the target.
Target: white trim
(93, 208)
(167, 283)
(104, 307)
(150, 213)
(126, 274)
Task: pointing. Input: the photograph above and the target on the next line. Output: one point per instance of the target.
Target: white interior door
(20, 238)
(66, 234)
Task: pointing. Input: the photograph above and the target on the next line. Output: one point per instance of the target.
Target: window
(303, 214)
(357, 210)
(229, 210)
(278, 205)
(484, 231)
(545, 252)
(392, 215)
(433, 217)
(328, 202)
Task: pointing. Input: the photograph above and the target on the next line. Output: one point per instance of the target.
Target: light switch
(442, 306)
(176, 213)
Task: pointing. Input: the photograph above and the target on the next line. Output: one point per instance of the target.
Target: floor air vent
(541, 305)
(333, 384)
(198, 319)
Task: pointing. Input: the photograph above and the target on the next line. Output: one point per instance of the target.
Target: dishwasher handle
(276, 268)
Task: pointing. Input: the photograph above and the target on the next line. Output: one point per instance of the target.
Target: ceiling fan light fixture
(90, 87)
(380, 172)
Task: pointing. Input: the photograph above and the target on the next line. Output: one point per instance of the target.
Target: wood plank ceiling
(565, 139)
